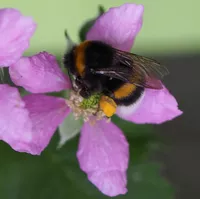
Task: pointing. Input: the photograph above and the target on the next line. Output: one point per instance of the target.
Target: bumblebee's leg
(107, 105)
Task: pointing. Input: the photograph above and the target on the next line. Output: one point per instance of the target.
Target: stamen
(85, 108)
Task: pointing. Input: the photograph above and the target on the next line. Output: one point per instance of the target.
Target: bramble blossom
(28, 123)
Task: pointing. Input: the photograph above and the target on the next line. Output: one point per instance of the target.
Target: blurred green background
(170, 33)
(170, 26)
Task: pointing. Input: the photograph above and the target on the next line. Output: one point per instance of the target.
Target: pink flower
(15, 33)
(27, 124)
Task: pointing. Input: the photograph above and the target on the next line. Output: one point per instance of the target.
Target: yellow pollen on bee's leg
(107, 105)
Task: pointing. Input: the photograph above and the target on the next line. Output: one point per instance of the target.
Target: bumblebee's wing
(119, 72)
(135, 69)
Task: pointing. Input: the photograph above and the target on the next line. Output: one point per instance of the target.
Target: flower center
(85, 108)
(91, 102)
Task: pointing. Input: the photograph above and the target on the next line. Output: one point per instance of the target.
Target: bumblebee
(119, 76)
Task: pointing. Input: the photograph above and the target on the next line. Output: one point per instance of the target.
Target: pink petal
(111, 183)
(103, 154)
(15, 33)
(155, 106)
(46, 113)
(27, 126)
(39, 73)
(15, 124)
(119, 26)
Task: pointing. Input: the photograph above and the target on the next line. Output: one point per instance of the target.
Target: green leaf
(131, 129)
(5, 77)
(2, 75)
(146, 182)
(69, 129)
(56, 173)
(88, 24)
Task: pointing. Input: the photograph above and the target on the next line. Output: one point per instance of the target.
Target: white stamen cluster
(75, 102)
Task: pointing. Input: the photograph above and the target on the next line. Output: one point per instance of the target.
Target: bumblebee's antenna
(67, 36)
(70, 45)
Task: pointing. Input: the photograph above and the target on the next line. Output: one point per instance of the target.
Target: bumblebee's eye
(78, 82)
(83, 83)
(85, 93)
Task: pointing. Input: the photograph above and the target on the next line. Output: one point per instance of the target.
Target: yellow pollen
(108, 106)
